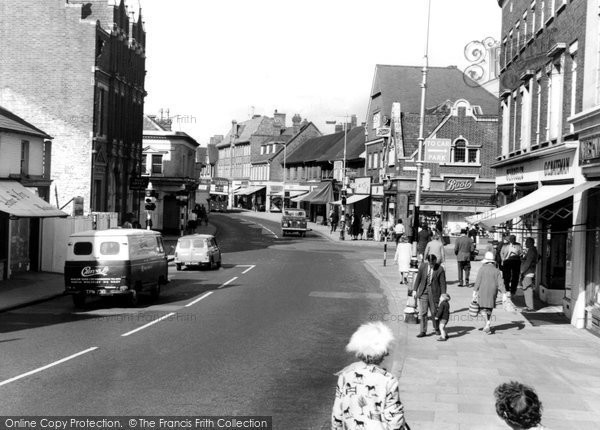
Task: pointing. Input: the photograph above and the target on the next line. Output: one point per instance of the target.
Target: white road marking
(249, 267)
(39, 369)
(229, 282)
(269, 230)
(198, 299)
(170, 314)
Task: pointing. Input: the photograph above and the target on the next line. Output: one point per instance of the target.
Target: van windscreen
(82, 248)
(184, 243)
(109, 248)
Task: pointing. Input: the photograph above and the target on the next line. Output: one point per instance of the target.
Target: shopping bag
(473, 309)
(508, 305)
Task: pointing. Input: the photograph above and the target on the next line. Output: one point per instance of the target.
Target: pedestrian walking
(473, 233)
(518, 406)
(442, 316)
(528, 266)
(462, 249)
(487, 284)
(429, 284)
(511, 264)
(367, 395)
(333, 220)
(366, 226)
(402, 258)
(399, 230)
(435, 246)
(377, 227)
(423, 238)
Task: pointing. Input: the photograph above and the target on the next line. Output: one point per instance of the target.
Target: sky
(213, 61)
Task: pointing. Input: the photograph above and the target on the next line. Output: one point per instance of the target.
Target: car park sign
(437, 150)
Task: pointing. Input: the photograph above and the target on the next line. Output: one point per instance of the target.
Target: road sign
(138, 183)
(437, 150)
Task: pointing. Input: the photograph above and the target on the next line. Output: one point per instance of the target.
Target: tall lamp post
(421, 139)
(182, 198)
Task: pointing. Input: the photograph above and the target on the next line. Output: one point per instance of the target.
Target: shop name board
(557, 167)
(458, 184)
(138, 183)
(515, 173)
(590, 149)
(383, 131)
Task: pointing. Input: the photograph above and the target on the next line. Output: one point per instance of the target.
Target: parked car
(294, 221)
(115, 262)
(197, 250)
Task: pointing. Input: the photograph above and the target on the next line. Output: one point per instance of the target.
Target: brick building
(457, 110)
(541, 190)
(76, 69)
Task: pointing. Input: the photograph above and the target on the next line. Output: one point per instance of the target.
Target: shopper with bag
(488, 282)
(402, 258)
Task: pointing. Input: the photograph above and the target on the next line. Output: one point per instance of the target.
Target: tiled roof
(402, 84)
(11, 122)
(246, 130)
(151, 125)
(314, 148)
(355, 145)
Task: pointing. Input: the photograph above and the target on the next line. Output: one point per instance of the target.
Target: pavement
(447, 385)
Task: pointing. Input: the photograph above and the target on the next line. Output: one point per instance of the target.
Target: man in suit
(430, 283)
(462, 249)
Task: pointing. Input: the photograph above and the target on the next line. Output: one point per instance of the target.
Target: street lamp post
(232, 138)
(344, 184)
(421, 139)
(182, 197)
(284, 177)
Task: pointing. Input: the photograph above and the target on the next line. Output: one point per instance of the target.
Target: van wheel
(212, 264)
(219, 263)
(178, 267)
(79, 300)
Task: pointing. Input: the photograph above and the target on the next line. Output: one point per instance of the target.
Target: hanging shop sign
(377, 190)
(590, 150)
(362, 185)
(383, 131)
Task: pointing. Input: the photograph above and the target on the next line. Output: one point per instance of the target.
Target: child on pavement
(443, 315)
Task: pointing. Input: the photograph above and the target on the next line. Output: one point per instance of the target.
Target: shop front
(251, 197)
(542, 199)
(585, 303)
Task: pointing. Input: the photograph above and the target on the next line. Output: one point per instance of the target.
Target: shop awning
(248, 190)
(544, 196)
(352, 199)
(17, 200)
(321, 195)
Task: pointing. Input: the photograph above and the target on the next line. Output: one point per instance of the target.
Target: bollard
(385, 251)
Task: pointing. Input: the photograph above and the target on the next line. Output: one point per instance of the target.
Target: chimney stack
(296, 120)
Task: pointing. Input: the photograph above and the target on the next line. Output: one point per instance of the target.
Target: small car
(293, 221)
(197, 250)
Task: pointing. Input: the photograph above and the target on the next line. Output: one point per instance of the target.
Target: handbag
(473, 309)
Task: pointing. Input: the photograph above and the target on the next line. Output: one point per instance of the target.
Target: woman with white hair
(367, 395)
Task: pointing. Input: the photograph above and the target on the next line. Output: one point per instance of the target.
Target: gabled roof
(314, 148)
(402, 84)
(153, 130)
(245, 131)
(149, 124)
(355, 145)
(11, 122)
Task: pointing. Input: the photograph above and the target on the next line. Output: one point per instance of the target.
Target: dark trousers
(333, 227)
(426, 302)
(466, 267)
(511, 272)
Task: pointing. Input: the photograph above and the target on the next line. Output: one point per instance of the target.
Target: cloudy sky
(210, 62)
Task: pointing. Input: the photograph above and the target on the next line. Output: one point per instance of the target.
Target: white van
(115, 262)
(197, 250)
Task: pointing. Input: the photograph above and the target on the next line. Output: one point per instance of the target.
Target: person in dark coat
(333, 220)
(424, 236)
(429, 284)
(511, 264)
(462, 249)
(487, 284)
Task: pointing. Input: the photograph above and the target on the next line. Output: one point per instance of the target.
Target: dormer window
(463, 153)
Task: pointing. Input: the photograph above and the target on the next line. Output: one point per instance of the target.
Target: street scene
(262, 215)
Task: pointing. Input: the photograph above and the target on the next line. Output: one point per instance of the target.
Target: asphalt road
(263, 335)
